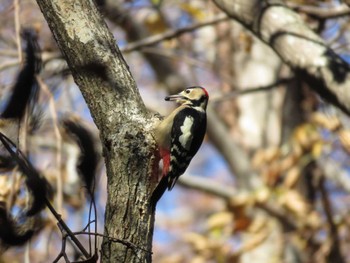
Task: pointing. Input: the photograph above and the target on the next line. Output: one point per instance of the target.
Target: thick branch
(296, 44)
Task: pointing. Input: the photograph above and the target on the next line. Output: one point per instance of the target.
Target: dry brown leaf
(288, 162)
(197, 241)
(199, 259)
(271, 174)
(294, 202)
(220, 220)
(246, 41)
(314, 220)
(196, 11)
(266, 156)
(262, 195)
(305, 135)
(331, 123)
(344, 137)
(5, 187)
(317, 148)
(242, 222)
(155, 23)
(258, 159)
(253, 242)
(292, 177)
(173, 259)
(238, 206)
(242, 199)
(258, 224)
(297, 151)
(272, 154)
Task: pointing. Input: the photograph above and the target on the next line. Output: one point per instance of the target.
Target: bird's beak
(176, 97)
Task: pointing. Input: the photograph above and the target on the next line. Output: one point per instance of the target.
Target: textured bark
(124, 123)
(296, 44)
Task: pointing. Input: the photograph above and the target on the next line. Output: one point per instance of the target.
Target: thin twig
(167, 53)
(27, 253)
(92, 206)
(152, 40)
(58, 136)
(30, 171)
(67, 229)
(208, 186)
(17, 29)
(229, 193)
(63, 247)
(9, 53)
(248, 91)
(9, 64)
(114, 239)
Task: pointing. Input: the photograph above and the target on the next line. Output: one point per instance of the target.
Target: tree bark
(125, 125)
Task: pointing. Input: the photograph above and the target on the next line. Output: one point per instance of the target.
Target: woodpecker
(180, 134)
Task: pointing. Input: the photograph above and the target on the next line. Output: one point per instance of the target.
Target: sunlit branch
(208, 186)
(18, 29)
(8, 64)
(247, 91)
(229, 193)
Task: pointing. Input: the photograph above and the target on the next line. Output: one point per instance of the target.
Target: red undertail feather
(165, 154)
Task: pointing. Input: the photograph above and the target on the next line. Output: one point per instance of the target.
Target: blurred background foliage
(271, 181)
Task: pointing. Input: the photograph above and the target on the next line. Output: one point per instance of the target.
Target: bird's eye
(188, 91)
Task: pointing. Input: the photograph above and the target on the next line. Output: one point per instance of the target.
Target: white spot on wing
(186, 136)
(200, 108)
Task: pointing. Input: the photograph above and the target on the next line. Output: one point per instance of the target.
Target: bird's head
(193, 96)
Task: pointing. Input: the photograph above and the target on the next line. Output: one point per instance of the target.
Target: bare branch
(229, 193)
(208, 186)
(247, 91)
(152, 40)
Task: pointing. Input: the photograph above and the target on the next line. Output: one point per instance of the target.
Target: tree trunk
(125, 125)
